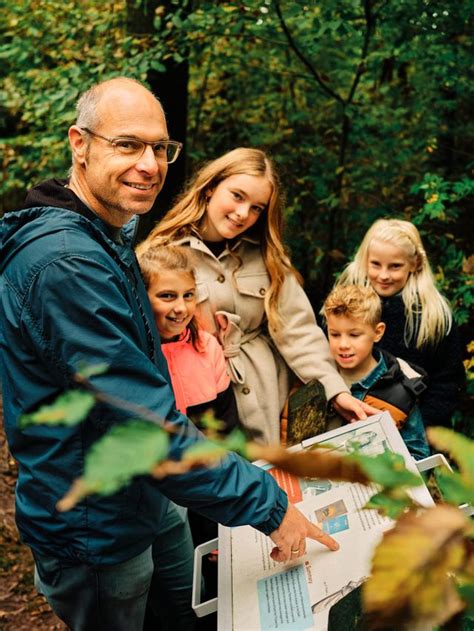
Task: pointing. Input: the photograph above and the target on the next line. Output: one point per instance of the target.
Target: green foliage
(85, 371)
(46, 64)
(69, 409)
(216, 448)
(456, 487)
(364, 106)
(442, 209)
(388, 470)
(390, 503)
(467, 594)
(127, 450)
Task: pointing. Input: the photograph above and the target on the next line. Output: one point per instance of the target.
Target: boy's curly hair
(354, 301)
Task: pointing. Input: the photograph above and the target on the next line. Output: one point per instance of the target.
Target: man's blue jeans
(114, 598)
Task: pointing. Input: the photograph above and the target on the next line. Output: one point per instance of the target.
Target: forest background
(363, 104)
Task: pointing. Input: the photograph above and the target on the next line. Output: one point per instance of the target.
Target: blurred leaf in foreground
(391, 503)
(456, 488)
(89, 370)
(69, 408)
(127, 450)
(411, 583)
(387, 469)
(315, 463)
(209, 452)
(212, 426)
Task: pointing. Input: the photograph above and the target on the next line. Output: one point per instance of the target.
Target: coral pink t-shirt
(196, 376)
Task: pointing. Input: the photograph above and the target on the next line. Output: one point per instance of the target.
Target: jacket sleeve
(302, 343)
(78, 309)
(446, 377)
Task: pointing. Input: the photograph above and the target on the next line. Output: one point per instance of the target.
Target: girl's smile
(388, 268)
(235, 205)
(173, 299)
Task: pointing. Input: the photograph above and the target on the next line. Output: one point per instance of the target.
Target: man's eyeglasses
(163, 150)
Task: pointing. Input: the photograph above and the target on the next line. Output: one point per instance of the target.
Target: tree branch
(138, 410)
(369, 29)
(303, 59)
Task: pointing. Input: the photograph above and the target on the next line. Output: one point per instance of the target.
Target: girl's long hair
(172, 258)
(428, 314)
(188, 216)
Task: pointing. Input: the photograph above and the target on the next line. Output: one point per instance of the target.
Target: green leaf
(236, 441)
(467, 594)
(70, 408)
(127, 450)
(205, 449)
(388, 470)
(390, 504)
(210, 422)
(90, 370)
(454, 488)
(157, 65)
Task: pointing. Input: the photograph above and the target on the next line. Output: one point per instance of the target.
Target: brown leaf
(177, 467)
(411, 582)
(316, 463)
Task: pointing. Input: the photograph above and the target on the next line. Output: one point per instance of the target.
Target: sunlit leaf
(69, 408)
(90, 370)
(390, 503)
(210, 422)
(411, 579)
(205, 450)
(127, 450)
(387, 469)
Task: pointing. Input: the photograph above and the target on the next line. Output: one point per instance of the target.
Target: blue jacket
(396, 384)
(71, 292)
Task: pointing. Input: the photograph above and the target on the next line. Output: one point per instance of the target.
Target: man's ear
(78, 143)
(379, 331)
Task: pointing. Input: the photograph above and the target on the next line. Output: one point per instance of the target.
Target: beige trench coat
(232, 308)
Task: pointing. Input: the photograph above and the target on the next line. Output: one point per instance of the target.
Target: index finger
(319, 535)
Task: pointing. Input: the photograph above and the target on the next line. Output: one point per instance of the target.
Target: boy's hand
(290, 536)
(351, 408)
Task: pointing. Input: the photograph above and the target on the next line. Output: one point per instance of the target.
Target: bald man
(72, 293)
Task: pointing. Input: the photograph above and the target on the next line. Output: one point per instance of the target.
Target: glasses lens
(166, 151)
(129, 146)
(172, 151)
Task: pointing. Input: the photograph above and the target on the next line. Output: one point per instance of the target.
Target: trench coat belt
(232, 338)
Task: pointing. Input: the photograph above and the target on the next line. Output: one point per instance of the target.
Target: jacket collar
(373, 376)
(57, 194)
(195, 241)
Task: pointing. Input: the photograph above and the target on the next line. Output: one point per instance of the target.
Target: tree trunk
(171, 87)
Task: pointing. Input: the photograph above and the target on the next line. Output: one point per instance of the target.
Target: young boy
(375, 376)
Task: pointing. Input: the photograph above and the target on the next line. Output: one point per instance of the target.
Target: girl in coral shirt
(195, 359)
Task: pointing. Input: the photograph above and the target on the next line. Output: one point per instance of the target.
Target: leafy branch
(140, 446)
(423, 570)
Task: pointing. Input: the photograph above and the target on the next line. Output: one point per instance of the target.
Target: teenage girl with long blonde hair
(419, 323)
(248, 292)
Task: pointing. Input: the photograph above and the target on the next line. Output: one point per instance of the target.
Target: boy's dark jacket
(395, 391)
(442, 363)
(72, 292)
